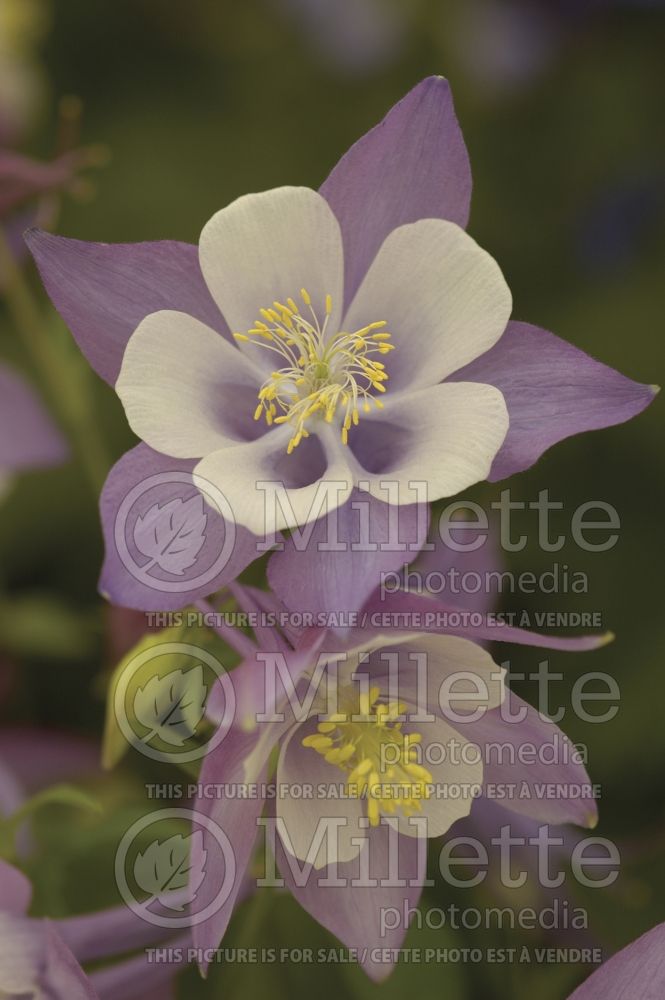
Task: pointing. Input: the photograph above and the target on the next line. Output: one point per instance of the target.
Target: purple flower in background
(635, 973)
(34, 960)
(28, 437)
(617, 222)
(505, 45)
(41, 957)
(352, 36)
(381, 244)
(31, 190)
(501, 44)
(23, 179)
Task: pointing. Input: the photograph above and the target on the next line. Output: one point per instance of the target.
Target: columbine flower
(358, 401)
(28, 437)
(382, 243)
(366, 737)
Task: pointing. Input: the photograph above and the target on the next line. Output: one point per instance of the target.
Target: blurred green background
(561, 105)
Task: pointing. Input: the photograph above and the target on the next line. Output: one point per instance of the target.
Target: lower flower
(362, 757)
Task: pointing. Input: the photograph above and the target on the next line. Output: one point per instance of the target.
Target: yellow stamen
(325, 375)
(366, 742)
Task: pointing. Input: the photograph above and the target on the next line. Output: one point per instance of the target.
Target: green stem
(68, 395)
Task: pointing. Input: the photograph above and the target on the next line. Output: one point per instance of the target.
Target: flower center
(365, 741)
(320, 372)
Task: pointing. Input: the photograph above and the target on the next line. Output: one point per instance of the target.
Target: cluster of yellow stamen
(322, 371)
(381, 762)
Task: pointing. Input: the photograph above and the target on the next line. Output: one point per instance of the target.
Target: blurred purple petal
(64, 975)
(14, 227)
(28, 436)
(506, 45)
(413, 165)
(635, 973)
(268, 602)
(485, 823)
(508, 758)
(437, 565)
(103, 291)
(267, 636)
(236, 817)
(142, 492)
(319, 580)
(15, 890)
(34, 960)
(552, 390)
(355, 36)
(353, 912)
(139, 978)
(11, 790)
(108, 932)
(22, 178)
(248, 680)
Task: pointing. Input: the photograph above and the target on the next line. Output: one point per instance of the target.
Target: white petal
(185, 389)
(269, 490)
(445, 436)
(456, 781)
(437, 668)
(266, 247)
(444, 298)
(299, 818)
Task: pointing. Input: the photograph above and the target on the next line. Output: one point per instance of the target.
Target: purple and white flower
(364, 728)
(312, 284)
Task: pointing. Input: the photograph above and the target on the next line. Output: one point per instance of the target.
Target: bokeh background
(561, 104)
